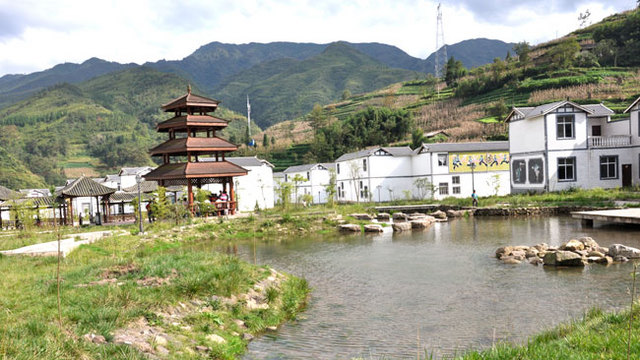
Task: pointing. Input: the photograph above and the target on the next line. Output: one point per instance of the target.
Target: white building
(314, 181)
(563, 145)
(431, 171)
(378, 174)
(456, 169)
(254, 189)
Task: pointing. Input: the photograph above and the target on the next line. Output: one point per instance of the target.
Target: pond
(440, 290)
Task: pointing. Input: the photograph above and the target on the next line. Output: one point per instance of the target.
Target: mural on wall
(484, 161)
(519, 169)
(536, 171)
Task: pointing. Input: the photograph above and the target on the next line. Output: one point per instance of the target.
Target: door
(626, 175)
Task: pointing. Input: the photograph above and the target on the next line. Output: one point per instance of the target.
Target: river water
(440, 290)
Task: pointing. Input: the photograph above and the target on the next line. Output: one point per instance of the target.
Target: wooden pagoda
(192, 137)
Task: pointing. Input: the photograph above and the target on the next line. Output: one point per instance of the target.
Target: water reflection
(373, 294)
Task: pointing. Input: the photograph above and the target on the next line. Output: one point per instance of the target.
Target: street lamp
(139, 181)
(473, 183)
(379, 187)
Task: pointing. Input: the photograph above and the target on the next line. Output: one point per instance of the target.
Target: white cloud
(35, 35)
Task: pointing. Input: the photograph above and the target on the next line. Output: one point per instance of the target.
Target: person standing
(474, 198)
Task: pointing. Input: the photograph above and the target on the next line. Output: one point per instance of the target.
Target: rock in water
(629, 252)
(397, 217)
(563, 258)
(362, 216)
(439, 214)
(401, 226)
(373, 228)
(350, 228)
(572, 245)
(383, 217)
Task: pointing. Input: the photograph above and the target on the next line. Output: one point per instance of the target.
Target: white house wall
(257, 187)
(579, 140)
(526, 135)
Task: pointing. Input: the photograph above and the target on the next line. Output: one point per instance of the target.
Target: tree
(454, 71)
(265, 140)
(522, 49)
(297, 179)
(425, 187)
(586, 59)
(417, 139)
(283, 191)
(354, 171)
(563, 54)
(331, 188)
(346, 94)
(317, 117)
(606, 52)
(583, 18)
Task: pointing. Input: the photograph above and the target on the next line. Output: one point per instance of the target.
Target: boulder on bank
(373, 228)
(383, 217)
(399, 216)
(629, 252)
(563, 258)
(350, 228)
(458, 213)
(401, 226)
(365, 217)
(417, 216)
(439, 214)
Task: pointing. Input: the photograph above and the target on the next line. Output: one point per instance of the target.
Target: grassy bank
(179, 282)
(599, 335)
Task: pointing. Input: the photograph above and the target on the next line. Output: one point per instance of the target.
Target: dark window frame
(562, 123)
(608, 165)
(443, 188)
(573, 165)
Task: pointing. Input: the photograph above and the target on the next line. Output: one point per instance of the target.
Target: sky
(38, 34)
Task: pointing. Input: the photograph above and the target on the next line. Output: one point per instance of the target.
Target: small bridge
(621, 216)
(408, 208)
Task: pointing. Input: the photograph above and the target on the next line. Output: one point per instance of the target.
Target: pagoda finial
(189, 89)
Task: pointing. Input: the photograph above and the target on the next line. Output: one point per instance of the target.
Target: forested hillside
(91, 128)
(595, 64)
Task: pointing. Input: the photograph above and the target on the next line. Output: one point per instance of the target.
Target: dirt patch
(157, 281)
(119, 270)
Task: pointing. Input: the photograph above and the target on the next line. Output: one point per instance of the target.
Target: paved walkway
(67, 245)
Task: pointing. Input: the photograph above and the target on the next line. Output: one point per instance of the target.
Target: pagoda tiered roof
(201, 145)
(209, 169)
(193, 121)
(195, 103)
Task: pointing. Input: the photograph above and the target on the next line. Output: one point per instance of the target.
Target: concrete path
(67, 245)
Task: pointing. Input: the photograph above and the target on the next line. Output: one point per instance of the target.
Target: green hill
(14, 175)
(96, 126)
(286, 89)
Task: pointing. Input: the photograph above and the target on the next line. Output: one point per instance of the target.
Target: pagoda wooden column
(190, 195)
(232, 197)
(70, 210)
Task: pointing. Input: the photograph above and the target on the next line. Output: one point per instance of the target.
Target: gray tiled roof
(135, 170)
(593, 110)
(278, 175)
(146, 186)
(464, 147)
(394, 151)
(242, 161)
(6, 194)
(599, 110)
(305, 167)
(84, 186)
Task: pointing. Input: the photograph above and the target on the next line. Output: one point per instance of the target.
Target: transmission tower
(441, 47)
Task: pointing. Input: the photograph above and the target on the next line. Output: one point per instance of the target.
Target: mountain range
(229, 72)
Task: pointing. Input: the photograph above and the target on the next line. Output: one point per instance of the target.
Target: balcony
(614, 141)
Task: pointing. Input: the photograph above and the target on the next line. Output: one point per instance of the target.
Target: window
(308, 176)
(567, 169)
(365, 193)
(455, 189)
(364, 164)
(285, 178)
(442, 159)
(609, 167)
(338, 168)
(564, 127)
(596, 130)
(455, 180)
(443, 188)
